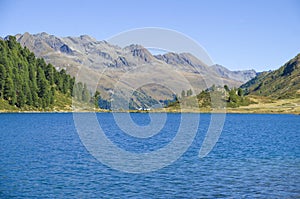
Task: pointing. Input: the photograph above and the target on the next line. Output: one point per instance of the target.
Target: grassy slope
(5, 107)
(62, 102)
(283, 83)
(269, 105)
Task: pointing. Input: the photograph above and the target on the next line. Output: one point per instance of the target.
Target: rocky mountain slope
(130, 68)
(281, 83)
(242, 76)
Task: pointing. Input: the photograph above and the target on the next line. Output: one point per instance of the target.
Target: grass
(62, 102)
(269, 105)
(262, 104)
(6, 107)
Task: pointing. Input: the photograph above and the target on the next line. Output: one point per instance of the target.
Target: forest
(27, 81)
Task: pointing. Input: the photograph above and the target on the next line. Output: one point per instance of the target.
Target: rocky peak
(172, 58)
(66, 49)
(86, 39)
(141, 52)
(182, 59)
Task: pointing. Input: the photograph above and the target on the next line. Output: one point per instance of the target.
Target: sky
(254, 34)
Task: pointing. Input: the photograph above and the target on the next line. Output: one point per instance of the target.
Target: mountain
(242, 76)
(128, 67)
(68, 52)
(281, 83)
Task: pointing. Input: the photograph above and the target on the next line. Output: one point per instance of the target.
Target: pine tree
(189, 92)
(240, 92)
(96, 99)
(226, 88)
(42, 83)
(21, 100)
(49, 73)
(78, 91)
(8, 88)
(2, 80)
(52, 95)
(85, 94)
(182, 94)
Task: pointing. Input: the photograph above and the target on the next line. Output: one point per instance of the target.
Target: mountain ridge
(75, 53)
(63, 45)
(239, 75)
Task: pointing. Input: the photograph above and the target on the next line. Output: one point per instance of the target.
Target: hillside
(282, 83)
(269, 92)
(135, 62)
(27, 83)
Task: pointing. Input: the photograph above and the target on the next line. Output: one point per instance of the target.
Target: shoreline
(260, 105)
(225, 111)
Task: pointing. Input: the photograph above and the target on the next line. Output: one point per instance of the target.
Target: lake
(256, 156)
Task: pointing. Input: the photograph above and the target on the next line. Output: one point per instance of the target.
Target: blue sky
(258, 34)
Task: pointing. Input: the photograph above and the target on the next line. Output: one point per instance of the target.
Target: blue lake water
(256, 156)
